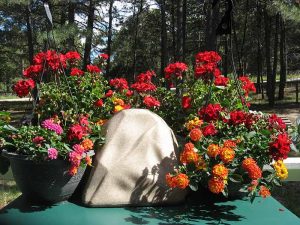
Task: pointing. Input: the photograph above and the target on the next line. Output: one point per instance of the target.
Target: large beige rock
(131, 167)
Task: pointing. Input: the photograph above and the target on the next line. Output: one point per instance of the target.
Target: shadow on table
(197, 211)
(24, 205)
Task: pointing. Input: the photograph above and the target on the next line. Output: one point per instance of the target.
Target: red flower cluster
(104, 56)
(186, 102)
(99, 103)
(276, 122)
(175, 69)
(247, 85)
(151, 102)
(209, 130)
(23, 87)
(51, 59)
(206, 64)
(210, 112)
(93, 69)
(72, 56)
(237, 117)
(280, 148)
(76, 72)
(221, 81)
(143, 82)
(33, 71)
(119, 83)
(76, 132)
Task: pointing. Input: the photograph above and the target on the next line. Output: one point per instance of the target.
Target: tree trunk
(225, 63)
(63, 14)
(136, 15)
(184, 35)
(268, 54)
(29, 36)
(211, 26)
(272, 100)
(179, 30)
(109, 36)
(173, 29)
(89, 35)
(244, 39)
(71, 21)
(283, 61)
(259, 55)
(163, 35)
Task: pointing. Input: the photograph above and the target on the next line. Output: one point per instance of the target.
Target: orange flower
(73, 170)
(201, 165)
(118, 108)
(189, 156)
(216, 185)
(213, 150)
(254, 172)
(229, 144)
(180, 180)
(170, 181)
(264, 191)
(246, 162)
(195, 123)
(227, 154)
(220, 171)
(196, 134)
(88, 160)
(101, 122)
(118, 101)
(87, 144)
(189, 147)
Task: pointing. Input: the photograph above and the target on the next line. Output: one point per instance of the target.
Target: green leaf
(236, 178)
(251, 134)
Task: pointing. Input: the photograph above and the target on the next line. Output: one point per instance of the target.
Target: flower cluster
(175, 69)
(225, 142)
(23, 87)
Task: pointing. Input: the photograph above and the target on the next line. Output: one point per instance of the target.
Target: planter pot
(46, 181)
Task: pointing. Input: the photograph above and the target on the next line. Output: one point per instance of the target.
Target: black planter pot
(47, 181)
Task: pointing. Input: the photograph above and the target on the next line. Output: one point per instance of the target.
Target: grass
(8, 192)
(8, 96)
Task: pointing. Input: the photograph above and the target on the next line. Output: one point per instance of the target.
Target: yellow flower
(118, 108)
(281, 170)
(101, 122)
(195, 123)
(118, 101)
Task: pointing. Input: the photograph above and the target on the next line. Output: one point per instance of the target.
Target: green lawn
(8, 192)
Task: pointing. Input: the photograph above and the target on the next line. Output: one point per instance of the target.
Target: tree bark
(71, 21)
(109, 36)
(179, 30)
(89, 35)
(163, 35)
(225, 63)
(29, 36)
(244, 39)
(173, 29)
(184, 34)
(283, 60)
(212, 15)
(259, 55)
(268, 57)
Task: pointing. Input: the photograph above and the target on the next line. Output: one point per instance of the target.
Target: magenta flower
(52, 153)
(50, 125)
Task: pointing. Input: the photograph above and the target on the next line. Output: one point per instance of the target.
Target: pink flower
(78, 148)
(74, 158)
(52, 153)
(50, 125)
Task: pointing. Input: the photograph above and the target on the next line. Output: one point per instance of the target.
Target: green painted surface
(261, 212)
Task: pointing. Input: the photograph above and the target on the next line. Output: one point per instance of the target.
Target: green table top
(262, 211)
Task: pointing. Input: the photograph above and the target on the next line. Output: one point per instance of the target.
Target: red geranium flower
(210, 112)
(119, 83)
(247, 85)
(76, 72)
(93, 69)
(151, 102)
(104, 56)
(280, 148)
(99, 103)
(221, 81)
(237, 117)
(175, 69)
(23, 87)
(209, 130)
(76, 132)
(186, 102)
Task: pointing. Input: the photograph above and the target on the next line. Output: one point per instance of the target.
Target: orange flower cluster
(229, 144)
(220, 171)
(196, 134)
(201, 164)
(188, 155)
(213, 150)
(216, 185)
(227, 154)
(254, 172)
(195, 123)
(87, 144)
(264, 191)
(180, 180)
